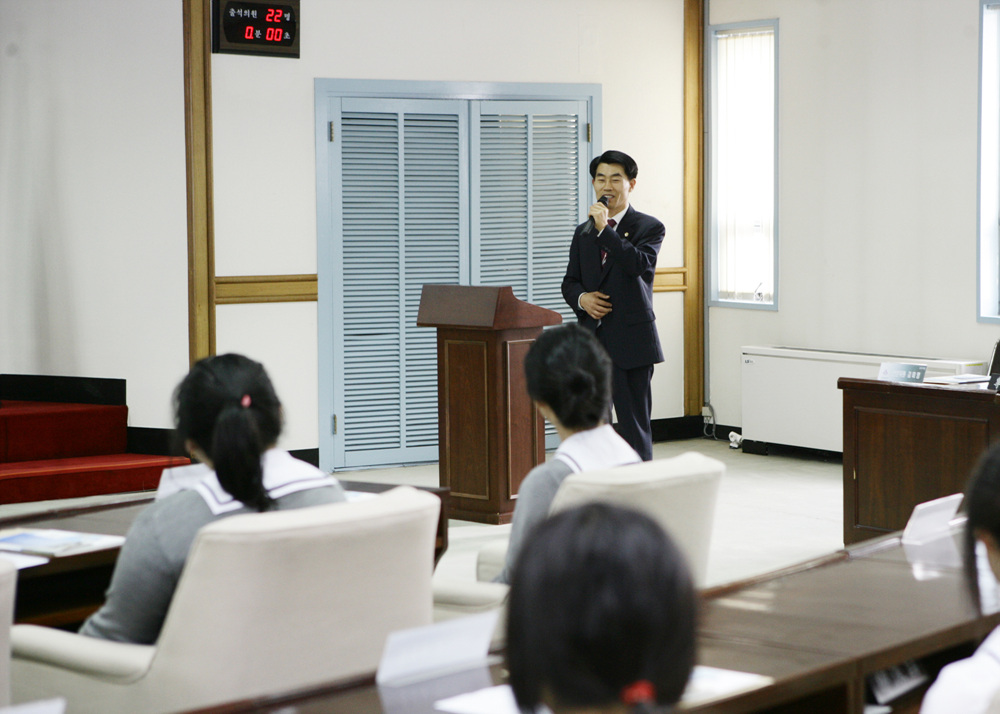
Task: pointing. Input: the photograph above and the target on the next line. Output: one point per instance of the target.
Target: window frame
(711, 223)
(988, 175)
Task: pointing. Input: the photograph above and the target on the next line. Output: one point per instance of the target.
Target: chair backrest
(276, 601)
(8, 586)
(679, 493)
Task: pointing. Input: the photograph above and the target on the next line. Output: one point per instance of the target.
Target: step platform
(52, 430)
(47, 479)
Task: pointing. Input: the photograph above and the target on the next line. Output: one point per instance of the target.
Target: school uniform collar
(597, 448)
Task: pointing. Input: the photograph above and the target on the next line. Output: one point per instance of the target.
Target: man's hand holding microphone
(597, 304)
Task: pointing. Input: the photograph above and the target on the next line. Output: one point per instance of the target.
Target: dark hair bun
(568, 369)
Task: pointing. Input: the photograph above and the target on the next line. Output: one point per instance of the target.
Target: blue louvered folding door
(529, 175)
(404, 168)
(430, 195)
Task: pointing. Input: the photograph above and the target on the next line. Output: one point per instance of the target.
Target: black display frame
(227, 43)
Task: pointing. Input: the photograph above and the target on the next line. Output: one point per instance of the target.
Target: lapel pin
(626, 235)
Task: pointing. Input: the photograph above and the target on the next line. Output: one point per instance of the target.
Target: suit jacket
(628, 332)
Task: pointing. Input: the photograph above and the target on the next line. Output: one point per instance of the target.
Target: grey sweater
(534, 499)
(153, 556)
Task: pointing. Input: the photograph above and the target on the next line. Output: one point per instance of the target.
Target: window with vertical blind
(989, 163)
(429, 191)
(742, 225)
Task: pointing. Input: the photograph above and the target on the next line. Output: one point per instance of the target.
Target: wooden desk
(819, 630)
(908, 443)
(66, 590)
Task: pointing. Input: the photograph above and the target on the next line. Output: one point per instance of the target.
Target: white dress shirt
(968, 685)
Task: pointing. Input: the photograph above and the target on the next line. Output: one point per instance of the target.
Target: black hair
(600, 599)
(615, 157)
(227, 406)
(569, 370)
(982, 509)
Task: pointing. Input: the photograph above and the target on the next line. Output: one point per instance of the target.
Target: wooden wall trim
(670, 280)
(198, 142)
(694, 192)
(233, 290)
(205, 290)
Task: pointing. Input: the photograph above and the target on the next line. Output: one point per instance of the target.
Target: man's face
(610, 181)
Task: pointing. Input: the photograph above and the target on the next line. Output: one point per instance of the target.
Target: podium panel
(463, 383)
(526, 440)
(490, 434)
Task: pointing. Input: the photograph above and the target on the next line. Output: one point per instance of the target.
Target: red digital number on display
(271, 34)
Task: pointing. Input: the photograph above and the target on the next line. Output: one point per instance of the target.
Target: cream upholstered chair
(680, 493)
(266, 602)
(8, 586)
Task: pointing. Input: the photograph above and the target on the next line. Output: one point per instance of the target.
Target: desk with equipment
(909, 443)
(822, 631)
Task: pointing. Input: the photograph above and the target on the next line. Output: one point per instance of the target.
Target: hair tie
(245, 401)
(639, 692)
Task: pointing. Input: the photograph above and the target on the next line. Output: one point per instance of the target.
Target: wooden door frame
(206, 290)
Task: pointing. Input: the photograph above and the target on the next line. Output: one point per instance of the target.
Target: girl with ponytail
(601, 615)
(568, 376)
(229, 418)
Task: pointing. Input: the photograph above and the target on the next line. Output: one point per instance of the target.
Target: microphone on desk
(590, 219)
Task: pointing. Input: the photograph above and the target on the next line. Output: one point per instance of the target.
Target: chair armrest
(79, 653)
(456, 596)
(491, 559)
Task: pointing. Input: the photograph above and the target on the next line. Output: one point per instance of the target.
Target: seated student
(229, 417)
(601, 615)
(568, 375)
(969, 685)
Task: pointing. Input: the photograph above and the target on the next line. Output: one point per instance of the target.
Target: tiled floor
(772, 511)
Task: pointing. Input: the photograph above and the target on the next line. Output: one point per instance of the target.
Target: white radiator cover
(790, 395)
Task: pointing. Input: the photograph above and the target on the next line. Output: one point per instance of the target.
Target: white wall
(92, 187)
(877, 185)
(877, 195)
(265, 197)
(93, 228)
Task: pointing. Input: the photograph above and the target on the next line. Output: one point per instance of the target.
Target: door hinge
(333, 424)
(331, 132)
(590, 133)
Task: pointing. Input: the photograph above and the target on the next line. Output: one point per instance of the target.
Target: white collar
(283, 474)
(617, 218)
(597, 448)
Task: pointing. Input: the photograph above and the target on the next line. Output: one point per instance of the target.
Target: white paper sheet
(706, 684)
(46, 706)
(492, 700)
(22, 561)
(434, 650)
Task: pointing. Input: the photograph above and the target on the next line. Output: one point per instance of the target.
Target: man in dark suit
(609, 284)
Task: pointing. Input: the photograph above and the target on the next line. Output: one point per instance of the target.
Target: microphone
(590, 219)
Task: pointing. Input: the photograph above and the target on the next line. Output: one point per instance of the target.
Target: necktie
(604, 254)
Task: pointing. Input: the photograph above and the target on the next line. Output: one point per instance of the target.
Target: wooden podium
(490, 434)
